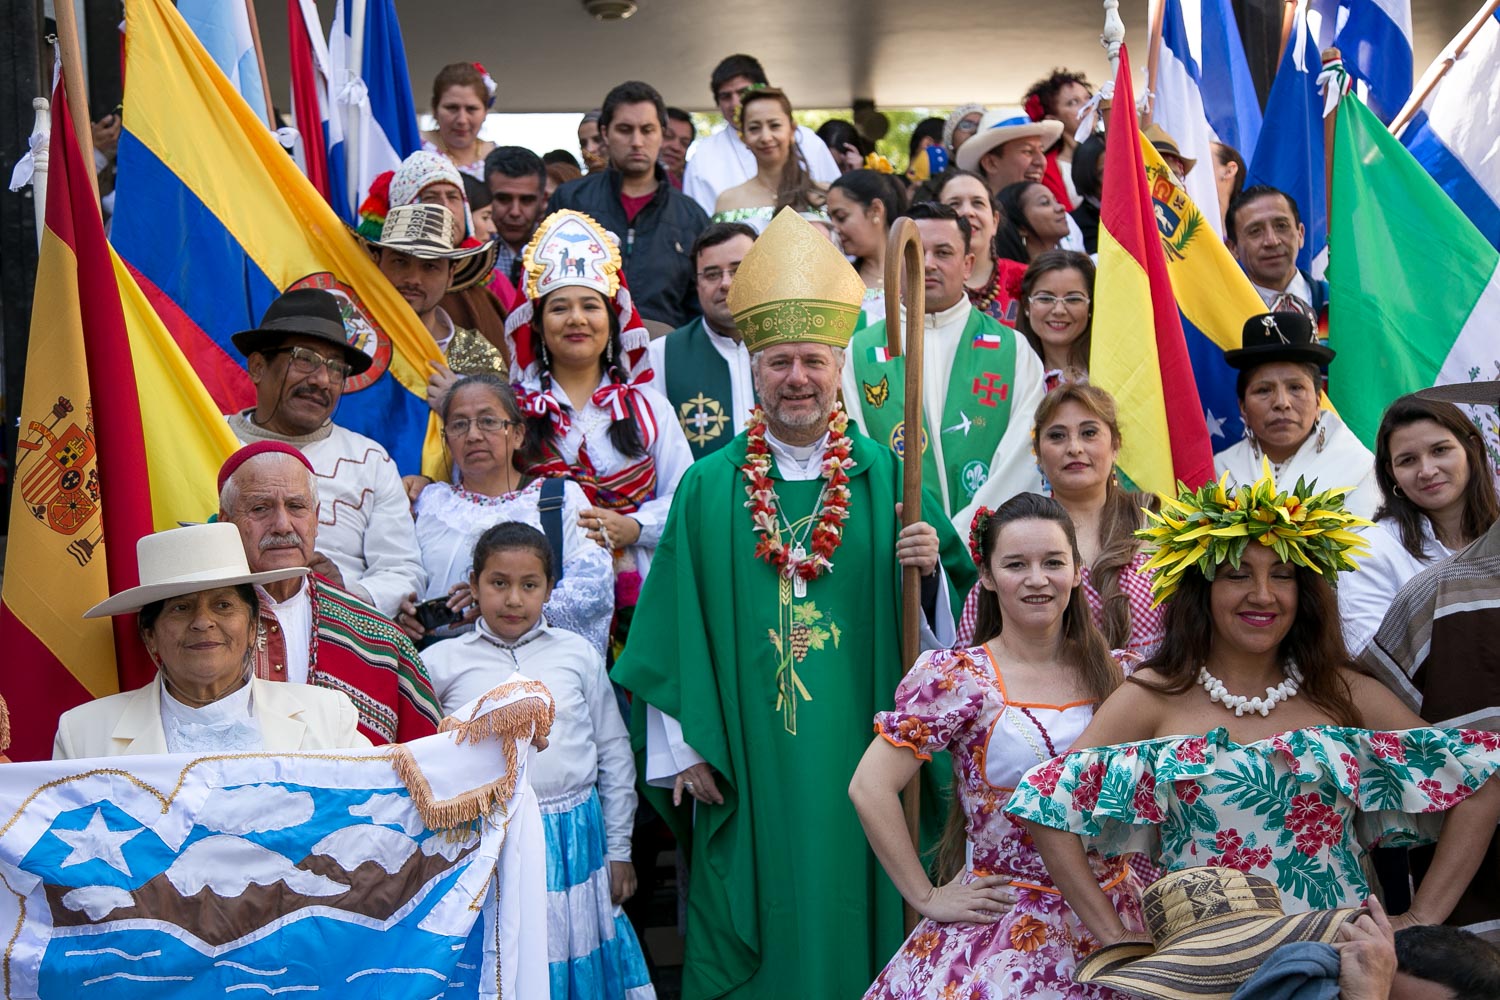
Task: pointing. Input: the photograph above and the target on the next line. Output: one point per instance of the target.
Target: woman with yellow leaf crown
(1248, 741)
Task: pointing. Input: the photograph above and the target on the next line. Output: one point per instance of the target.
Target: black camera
(435, 614)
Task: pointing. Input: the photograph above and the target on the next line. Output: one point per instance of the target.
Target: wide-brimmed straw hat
(1000, 126)
(1211, 928)
(430, 232)
(306, 312)
(185, 561)
(1470, 393)
(1167, 146)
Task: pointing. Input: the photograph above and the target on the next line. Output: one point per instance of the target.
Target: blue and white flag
(1229, 98)
(404, 871)
(224, 30)
(1455, 134)
(1374, 38)
(1294, 162)
(373, 90)
(1178, 108)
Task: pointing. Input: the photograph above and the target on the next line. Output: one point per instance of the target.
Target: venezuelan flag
(215, 220)
(83, 471)
(1138, 352)
(1214, 298)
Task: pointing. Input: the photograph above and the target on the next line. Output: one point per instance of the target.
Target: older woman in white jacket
(196, 608)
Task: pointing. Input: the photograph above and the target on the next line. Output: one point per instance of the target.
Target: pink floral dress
(1299, 809)
(955, 700)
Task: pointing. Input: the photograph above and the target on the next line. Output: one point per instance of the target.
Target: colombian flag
(215, 220)
(1138, 352)
(83, 472)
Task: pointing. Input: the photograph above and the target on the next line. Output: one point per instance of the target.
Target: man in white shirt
(703, 367)
(299, 359)
(722, 160)
(1264, 231)
(980, 384)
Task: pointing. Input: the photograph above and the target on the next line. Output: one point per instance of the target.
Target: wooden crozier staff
(903, 259)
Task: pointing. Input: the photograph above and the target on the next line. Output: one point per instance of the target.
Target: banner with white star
(390, 872)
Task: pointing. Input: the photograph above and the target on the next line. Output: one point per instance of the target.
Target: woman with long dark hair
(579, 356)
(1248, 741)
(1436, 496)
(1023, 693)
(861, 205)
(782, 177)
(1038, 222)
(1057, 312)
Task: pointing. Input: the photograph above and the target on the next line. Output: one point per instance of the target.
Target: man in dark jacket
(633, 199)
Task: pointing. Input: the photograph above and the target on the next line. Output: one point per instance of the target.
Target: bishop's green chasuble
(778, 692)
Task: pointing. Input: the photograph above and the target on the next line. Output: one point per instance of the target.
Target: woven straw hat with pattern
(795, 287)
(1211, 928)
(430, 232)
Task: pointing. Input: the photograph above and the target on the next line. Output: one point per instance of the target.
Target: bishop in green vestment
(754, 689)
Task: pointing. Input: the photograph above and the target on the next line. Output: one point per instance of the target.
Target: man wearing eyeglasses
(980, 383)
(702, 366)
(299, 358)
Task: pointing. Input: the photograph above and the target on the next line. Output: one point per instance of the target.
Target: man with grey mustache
(312, 631)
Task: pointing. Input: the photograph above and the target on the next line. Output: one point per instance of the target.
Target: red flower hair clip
(977, 530)
(1034, 109)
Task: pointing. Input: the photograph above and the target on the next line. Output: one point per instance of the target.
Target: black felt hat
(306, 312)
(1277, 336)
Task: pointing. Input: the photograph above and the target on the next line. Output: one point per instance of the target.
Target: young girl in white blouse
(584, 780)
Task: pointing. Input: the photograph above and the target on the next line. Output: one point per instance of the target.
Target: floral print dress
(1300, 809)
(955, 700)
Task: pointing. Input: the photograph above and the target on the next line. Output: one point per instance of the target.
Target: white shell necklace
(1239, 704)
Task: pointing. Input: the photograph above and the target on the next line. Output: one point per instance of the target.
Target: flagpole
(41, 126)
(1430, 80)
(260, 62)
(1331, 55)
(1288, 20)
(76, 88)
(1113, 36)
(1153, 58)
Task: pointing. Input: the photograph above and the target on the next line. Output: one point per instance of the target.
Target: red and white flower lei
(828, 532)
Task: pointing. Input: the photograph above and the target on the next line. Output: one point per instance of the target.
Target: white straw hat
(1000, 126)
(184, 561)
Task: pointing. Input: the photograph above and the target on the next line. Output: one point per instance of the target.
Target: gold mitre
(794, 286)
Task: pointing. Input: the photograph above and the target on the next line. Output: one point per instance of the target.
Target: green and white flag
(1414, 297)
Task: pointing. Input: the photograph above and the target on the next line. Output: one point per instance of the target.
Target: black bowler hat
(308, 312)
(1277, 336)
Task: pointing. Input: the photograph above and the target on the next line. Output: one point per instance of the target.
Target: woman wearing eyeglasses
(1057, 293)
(482, 428)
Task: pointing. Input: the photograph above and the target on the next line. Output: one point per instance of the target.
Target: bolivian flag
(103, 378)
(1137, 351)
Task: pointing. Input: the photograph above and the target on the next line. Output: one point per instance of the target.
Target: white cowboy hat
(1000, 126)
(184, 561)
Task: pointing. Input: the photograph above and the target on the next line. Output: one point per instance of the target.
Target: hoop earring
(1397, 490)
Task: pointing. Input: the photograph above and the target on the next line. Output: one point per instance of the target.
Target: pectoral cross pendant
(799, 585)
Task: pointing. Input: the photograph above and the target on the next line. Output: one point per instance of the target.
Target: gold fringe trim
(527, 719)
(4, 726)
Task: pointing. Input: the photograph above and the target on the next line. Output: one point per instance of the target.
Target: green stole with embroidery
(975, 412)
(700, 388)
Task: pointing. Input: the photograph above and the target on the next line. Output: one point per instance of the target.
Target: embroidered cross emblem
(990, 386)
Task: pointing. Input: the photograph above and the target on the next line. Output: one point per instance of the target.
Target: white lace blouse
(450, 521)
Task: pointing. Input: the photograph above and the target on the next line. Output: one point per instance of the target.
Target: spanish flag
(86, 484)
(1137, 351)
(215, 221)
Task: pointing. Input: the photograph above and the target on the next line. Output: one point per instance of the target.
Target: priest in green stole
(702, 367)
(980, 384)
(768, 632)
